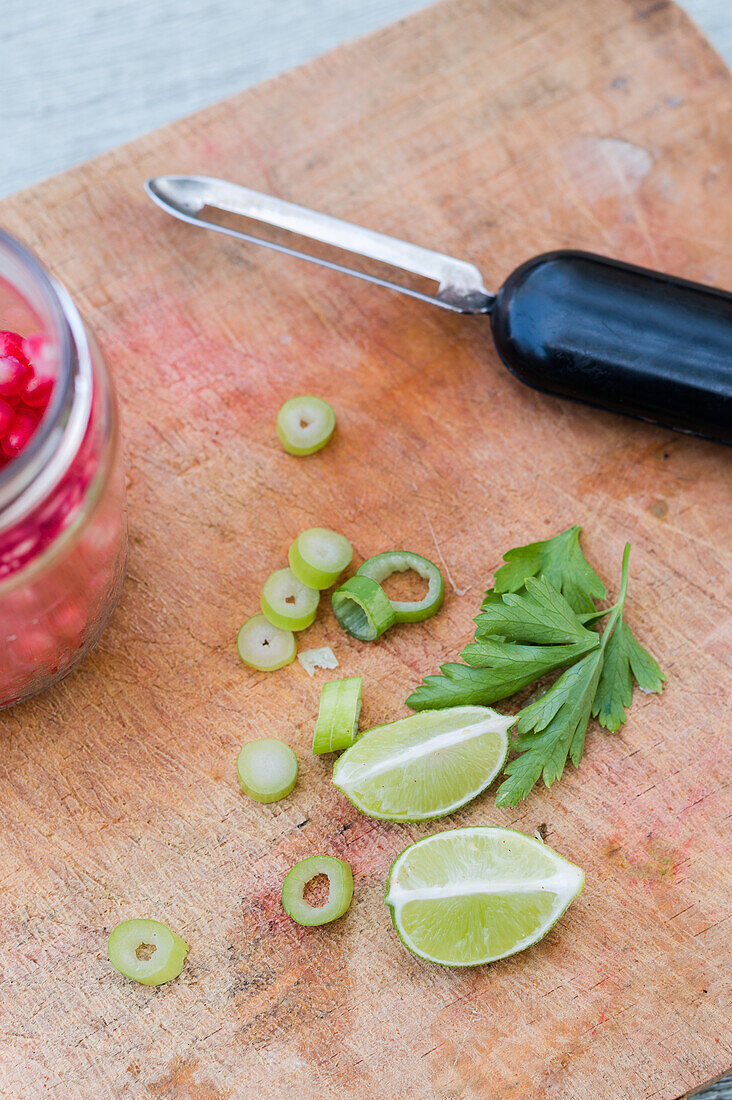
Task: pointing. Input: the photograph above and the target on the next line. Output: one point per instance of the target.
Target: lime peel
(470, 896)
(426, 765)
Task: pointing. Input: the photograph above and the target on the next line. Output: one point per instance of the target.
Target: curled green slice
(382, 566)
(340, 707)
(267, 769)
(319, 556)
(264, 646)
(340, 890)
(305, 424)
(287, 603)
(362, 608)
(146, 951)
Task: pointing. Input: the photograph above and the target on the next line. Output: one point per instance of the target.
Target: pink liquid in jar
(62, 509)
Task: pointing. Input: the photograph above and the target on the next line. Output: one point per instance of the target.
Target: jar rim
(40, 465)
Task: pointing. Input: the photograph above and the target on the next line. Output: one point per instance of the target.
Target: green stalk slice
(305, 424)
(340, 890)
(362, 608)
(382, 566)
(264, 646)
(470, 896)
(146, 951)
(318, 556)
(267, 769)
(340, 707)
(287, 603)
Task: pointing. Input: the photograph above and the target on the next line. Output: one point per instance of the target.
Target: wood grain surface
(491, 131)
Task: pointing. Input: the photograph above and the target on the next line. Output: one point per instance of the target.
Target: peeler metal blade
(460, 285)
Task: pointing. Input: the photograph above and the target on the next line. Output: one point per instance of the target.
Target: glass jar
(63, 530)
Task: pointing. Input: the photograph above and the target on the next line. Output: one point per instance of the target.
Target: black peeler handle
(620, 337)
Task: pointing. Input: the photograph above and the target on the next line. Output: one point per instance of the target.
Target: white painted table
(78, 78)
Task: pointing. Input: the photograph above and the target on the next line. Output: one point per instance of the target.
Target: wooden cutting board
(491, 131)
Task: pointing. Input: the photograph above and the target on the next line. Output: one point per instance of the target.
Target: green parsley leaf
(513, 648)
(550, 729)
(459, 685)
(561, 561)
(554, 727)
(494, 669)
(535, 621)
(601, 684)
(539, 615)
(625, 660)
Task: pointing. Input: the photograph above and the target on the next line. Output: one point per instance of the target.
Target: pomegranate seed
(14, 374)
(37, 391)
(11, 344)
(40, 351)
(20, 433)
(7, 416)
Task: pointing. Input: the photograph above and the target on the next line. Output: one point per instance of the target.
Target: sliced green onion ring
(146, 951)
(267, 769)
(264, 646)
(362, 608)
(340, 707)
(340, 890)
(305, 424)
(287, 603)
(318, 556)
(382, 566)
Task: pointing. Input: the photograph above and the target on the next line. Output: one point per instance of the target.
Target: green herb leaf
(508, 653)
(554, 727)
(458, 685)
(539, 615)
(494, 669)
(561, 560)
(551, 729)
(539, 659)
(534, 621)
(625, 660)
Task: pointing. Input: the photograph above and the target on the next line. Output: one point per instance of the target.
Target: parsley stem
(616, 612)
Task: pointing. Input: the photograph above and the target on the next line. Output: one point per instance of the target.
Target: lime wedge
(426, 765)
(470, 896)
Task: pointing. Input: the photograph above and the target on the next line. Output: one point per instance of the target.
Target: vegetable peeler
(571, 323)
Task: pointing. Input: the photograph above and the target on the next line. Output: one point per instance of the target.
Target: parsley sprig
(535, 620)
